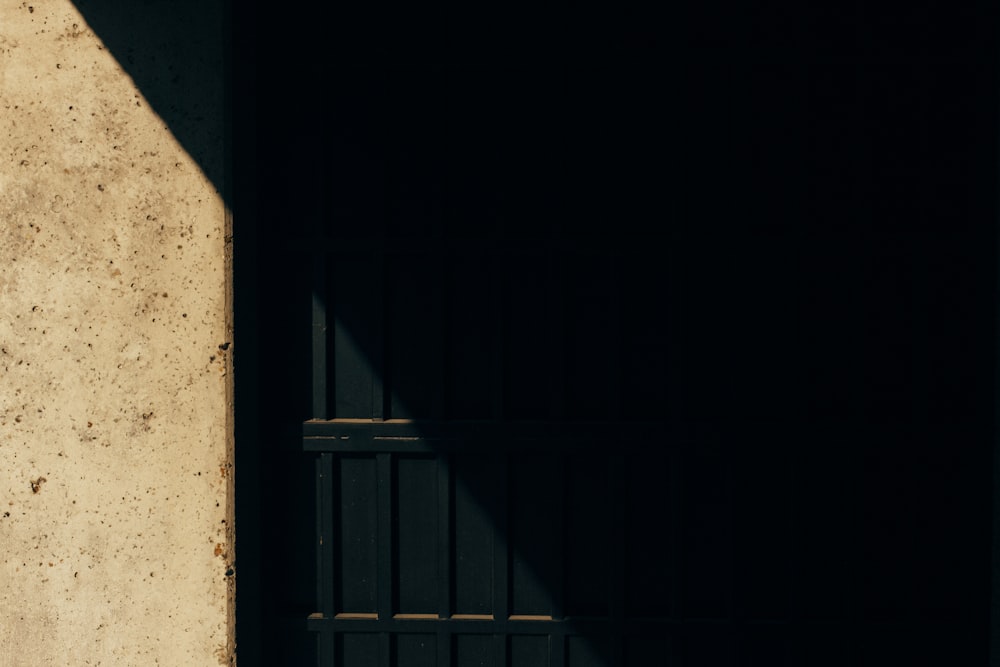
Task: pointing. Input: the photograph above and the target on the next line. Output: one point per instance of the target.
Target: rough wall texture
(115, 466)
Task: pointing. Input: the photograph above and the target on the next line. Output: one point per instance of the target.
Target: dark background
(826, 177)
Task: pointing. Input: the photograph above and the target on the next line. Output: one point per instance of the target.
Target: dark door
(649, 349)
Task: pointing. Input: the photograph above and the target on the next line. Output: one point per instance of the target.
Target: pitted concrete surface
(115, 467)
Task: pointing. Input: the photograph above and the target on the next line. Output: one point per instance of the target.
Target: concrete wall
(115, 341)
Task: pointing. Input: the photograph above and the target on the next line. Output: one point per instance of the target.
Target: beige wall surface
(115, 461)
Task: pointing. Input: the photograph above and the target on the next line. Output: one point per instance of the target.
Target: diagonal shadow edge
(178, 55)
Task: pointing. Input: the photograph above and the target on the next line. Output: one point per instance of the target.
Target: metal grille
(467, 515)
(485, 543)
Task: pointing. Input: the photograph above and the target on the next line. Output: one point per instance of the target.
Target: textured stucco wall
(115, 466)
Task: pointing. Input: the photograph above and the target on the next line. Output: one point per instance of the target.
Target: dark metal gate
(548, 430)
(485, 496)
(460, 543)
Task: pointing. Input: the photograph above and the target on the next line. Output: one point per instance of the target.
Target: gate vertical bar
(378, 355)
(444, 648)
(499, 342)
(384, 649)
(325, 513)
(319, 374)
(500, 650)
(501, 562)
(995, 592)
(557, 649)
(324, 565)
(853, 608)
(675, 508)
(559, 490)
(616, 342)
(385, 574)
(445, 580)
(619, 545)
(557, 334)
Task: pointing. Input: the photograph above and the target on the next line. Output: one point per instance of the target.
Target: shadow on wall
(176, 53)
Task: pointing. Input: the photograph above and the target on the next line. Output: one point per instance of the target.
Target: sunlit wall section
(115, 346)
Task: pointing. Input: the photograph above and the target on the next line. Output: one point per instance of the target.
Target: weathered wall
(115, 465)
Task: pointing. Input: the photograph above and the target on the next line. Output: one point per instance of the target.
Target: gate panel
(707, 535)
(355, 309)
(581, 652)
(476, 650)
(652, 651)
(535, 527)
(588, 521)
(414, 650)
(652, 546)
(415, 522)
(459, 532)
(528, 383)
(362, 650)
(416, 338)
(478, 494)
(528, 651)
(473, 337)
(357, 531)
